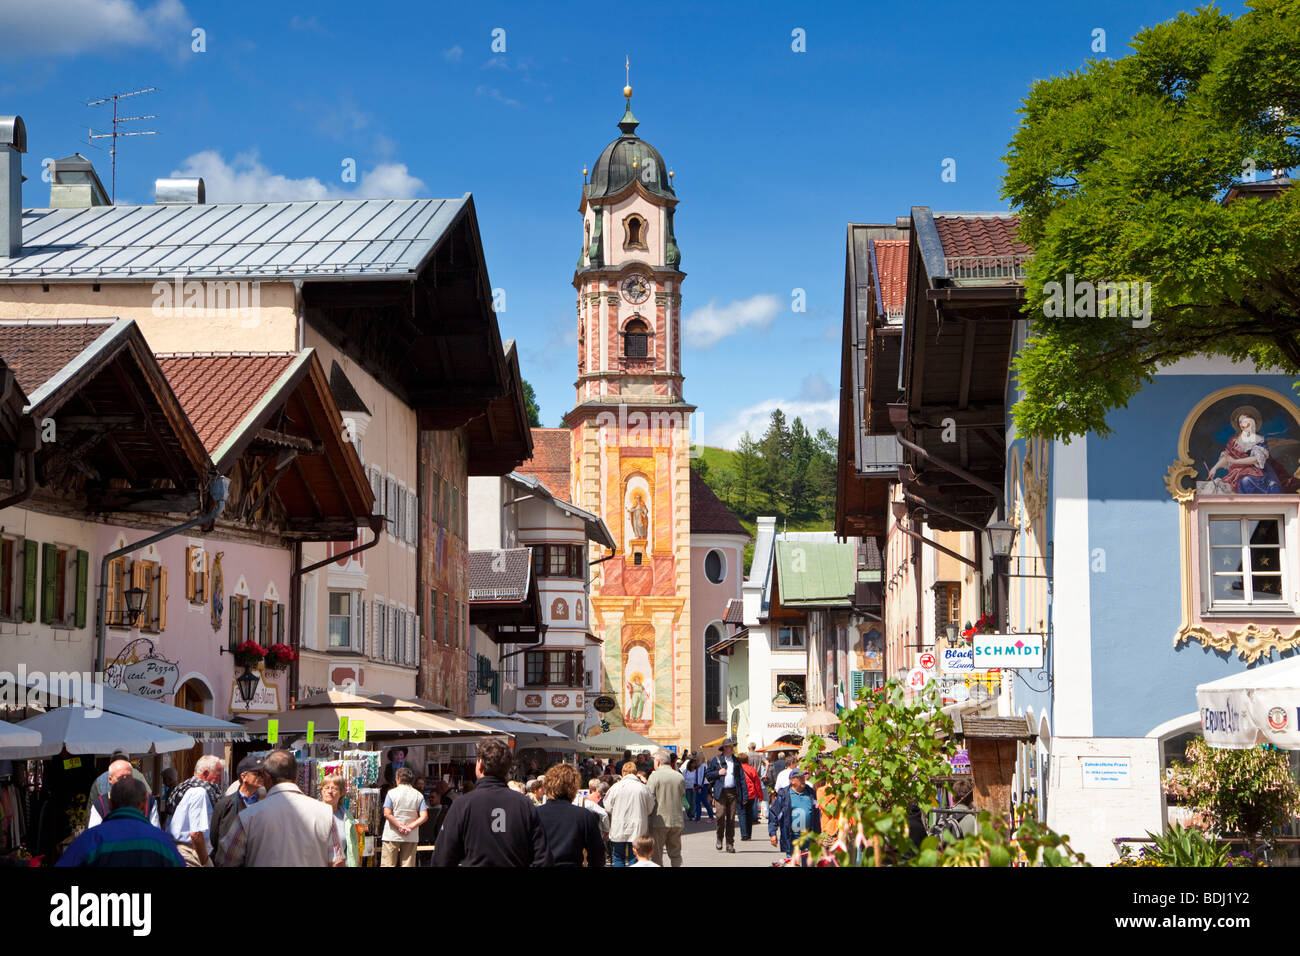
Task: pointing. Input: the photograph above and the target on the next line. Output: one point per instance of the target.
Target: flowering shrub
(983, 626)
(1248, 792)
(280, 655)
(249, 654)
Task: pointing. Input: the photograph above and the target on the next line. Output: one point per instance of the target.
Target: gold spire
(627, 66)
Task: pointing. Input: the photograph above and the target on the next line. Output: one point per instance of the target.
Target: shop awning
(1254, 707)
(616, 741)
(378, 723)
(198, 726)
(11, 735)
(516, 726)
(82, 731)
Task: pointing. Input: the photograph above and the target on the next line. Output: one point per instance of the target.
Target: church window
(634, 232)
(636, 340)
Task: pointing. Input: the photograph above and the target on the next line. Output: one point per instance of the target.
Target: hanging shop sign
(957, 660)
(266, 699)
(1008, 650)
(139, 669)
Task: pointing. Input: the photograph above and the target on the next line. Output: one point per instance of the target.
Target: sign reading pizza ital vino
(1008, 650)
(604, 704)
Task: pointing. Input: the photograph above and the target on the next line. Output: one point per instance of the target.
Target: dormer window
(636, 340)
(634, 233)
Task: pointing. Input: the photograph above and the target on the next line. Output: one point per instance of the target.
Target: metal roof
(319, 239)
(815, 573)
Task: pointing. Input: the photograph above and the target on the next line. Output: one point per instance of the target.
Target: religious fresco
(1245, 445)
(636, 529)
(1237, 441)
(638, 678)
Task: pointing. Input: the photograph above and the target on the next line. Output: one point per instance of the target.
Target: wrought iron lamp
(1002, 538)
(247, 684)
(134, 605)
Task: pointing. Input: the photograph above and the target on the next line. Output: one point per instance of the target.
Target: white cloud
(307, 25)
(755, 418)
(493, 93)
(70, 27)
(246, 179)
(707, 326)
(454, 54)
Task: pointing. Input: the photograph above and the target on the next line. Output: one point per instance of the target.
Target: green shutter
(233, 639)
(83, 571)
(264, 619)
(279, 623)
(29, 580)
(856, 680)
(49, 581)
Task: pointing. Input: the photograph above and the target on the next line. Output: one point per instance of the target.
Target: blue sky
(774, 150)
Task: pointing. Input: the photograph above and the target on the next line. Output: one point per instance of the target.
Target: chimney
(13, 143)
(75, 185)
(179, 192)
(903, 222)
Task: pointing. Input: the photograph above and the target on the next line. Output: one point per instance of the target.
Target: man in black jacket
(252, 783)
(492, 825)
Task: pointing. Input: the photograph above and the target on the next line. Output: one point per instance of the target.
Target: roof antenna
(117, 120)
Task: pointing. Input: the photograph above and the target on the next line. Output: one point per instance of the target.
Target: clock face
(636, 289)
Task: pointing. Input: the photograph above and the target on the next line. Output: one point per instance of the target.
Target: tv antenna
(117, 121)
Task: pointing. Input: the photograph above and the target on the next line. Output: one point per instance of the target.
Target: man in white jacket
(629, 804)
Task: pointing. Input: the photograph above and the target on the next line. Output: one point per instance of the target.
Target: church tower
(630, 434)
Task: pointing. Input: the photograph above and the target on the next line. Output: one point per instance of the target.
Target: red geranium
(280, 655)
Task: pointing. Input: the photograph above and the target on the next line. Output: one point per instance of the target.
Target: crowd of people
(630, 813)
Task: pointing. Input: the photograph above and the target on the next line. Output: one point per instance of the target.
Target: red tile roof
(550, 461)
(735, 612)
(979, 235)
(218, 389)
(37, 350)
(891, 267)
(708, 514)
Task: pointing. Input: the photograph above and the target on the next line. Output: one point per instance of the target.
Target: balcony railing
(986, 267)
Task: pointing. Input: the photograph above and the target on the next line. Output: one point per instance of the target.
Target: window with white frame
(1248, 559)
(13, 561)
(345, 624)
(792, 638)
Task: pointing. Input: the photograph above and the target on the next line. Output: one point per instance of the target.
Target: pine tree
(748, 463)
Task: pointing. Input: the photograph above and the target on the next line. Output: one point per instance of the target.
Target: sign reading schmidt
(1008, 650)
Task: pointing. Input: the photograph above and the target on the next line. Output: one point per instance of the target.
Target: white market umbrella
(1258, 706)
(11, 735)
(80, 731)
(616, 741)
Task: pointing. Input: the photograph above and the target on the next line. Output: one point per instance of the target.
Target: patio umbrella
(714, 743)
(11, 735)
(818, 720)
(1254, 707)
(776, 747)
(90, 732)
(616, 741)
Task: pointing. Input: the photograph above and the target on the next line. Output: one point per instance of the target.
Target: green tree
(803, 451)
(1118, 171)
(530, 405)
(775, 448)
(701, 468)
(748, 463)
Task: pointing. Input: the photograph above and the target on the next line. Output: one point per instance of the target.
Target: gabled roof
(596, 528)
(500, 439)
(979, 234)
(500, 574)
(708, 514)
(550, 461)
(815, 573)
(318, 239)
(345, 393)
(735, 613)
(116, 416)
(275, 404)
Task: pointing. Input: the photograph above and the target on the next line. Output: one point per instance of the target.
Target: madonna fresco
(1245, 444)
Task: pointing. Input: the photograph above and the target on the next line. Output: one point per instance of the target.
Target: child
(644, 848)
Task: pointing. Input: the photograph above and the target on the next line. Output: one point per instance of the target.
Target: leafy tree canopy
(530, 404)
(1119, 171)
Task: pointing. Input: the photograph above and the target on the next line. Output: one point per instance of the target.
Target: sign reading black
(604, 704)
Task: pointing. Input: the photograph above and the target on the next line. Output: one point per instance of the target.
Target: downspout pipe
(295, 584)
(218, 488)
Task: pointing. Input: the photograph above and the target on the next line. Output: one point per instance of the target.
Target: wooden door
(189, 696)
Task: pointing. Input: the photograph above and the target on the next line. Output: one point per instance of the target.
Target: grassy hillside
(720, 458)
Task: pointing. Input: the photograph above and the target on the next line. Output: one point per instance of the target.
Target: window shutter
(856, 680)
(191, 579)
(158, 606)
(264, 623)
(279, 624)
(49, 573)
(83, 571)
(204, 570)
(29, 580)
(233, 622)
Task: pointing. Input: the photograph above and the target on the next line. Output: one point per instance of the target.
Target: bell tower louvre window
(636, 340)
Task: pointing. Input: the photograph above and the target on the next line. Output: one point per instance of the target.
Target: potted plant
(249, 654)
(280, 656)
(983, 626)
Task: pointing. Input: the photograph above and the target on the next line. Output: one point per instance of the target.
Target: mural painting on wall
(636, 496)
(867, 650)
(559, 610)
(1257, 443)
(139, 669)
(638, 681)
(1242, 441)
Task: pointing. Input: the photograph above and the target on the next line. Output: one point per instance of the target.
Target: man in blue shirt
(794, 813)
(126, 837)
